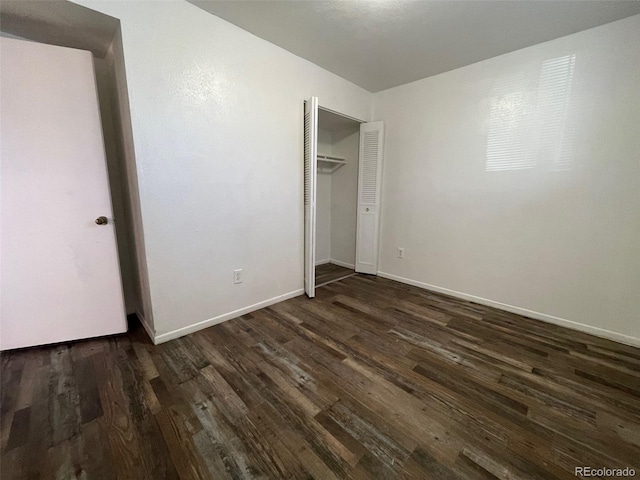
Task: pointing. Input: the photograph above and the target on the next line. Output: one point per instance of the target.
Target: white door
(59, 276)
(369, 189)
(310, 187)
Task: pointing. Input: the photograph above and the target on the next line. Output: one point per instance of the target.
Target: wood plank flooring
(371, 379)
(330, 272)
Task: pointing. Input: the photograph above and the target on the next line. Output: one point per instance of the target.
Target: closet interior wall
(337, 192)
(344, 198)
(323, 201)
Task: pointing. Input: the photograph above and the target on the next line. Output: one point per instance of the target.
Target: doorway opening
(343, 171)
(336, 196)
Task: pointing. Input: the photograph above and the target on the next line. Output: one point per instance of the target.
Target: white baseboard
(146, 326)
(598, 332)
(180, 332)
(342, 264)
(322, 262)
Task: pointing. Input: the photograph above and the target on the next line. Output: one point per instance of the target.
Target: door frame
(123, 181)
(359, 121)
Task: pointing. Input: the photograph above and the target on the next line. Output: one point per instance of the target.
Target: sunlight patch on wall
(528, 122)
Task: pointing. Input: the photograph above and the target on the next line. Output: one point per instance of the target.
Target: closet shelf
(329, 163)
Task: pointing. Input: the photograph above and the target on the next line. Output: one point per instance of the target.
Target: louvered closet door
(369, 188)
(310, 186)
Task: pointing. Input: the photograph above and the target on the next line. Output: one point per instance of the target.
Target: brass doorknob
(102, 220)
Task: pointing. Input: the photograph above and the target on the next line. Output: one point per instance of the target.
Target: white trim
(146, 326)
(342, 264)
(180, 332)
(323, 262)
(598, 332)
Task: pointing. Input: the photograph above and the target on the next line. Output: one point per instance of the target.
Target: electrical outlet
(400, 252)
(237, 276)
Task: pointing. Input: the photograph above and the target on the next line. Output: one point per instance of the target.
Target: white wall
(217, 123)
(344, 197)
(323, 201)
(517, 181)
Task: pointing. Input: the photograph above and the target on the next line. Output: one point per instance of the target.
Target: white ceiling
(379, 44)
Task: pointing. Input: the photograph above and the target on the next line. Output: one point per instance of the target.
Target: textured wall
(217, 124)
(517, 180)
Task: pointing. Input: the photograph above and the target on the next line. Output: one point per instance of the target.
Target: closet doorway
(343, 169)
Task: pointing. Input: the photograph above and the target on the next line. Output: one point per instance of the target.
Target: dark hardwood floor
(371, 379)
(330, 272)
